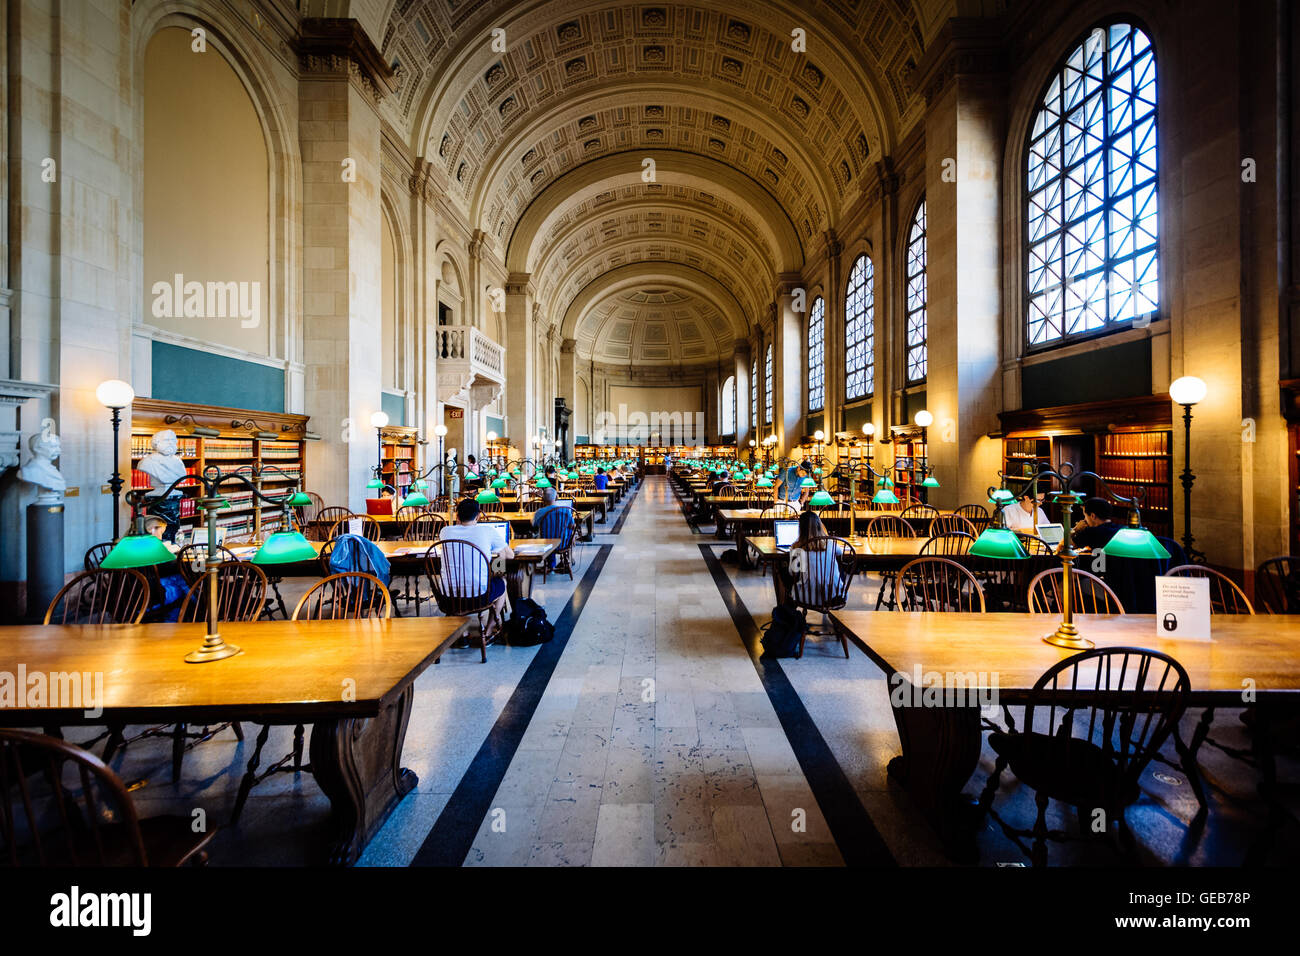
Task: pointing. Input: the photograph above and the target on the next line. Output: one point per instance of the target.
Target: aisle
(654, 742)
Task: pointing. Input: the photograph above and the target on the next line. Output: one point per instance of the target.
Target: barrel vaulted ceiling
(759, 147)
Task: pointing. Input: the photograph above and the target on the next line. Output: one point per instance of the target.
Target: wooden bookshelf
(234, 448)
(400, 460)
(910, 458)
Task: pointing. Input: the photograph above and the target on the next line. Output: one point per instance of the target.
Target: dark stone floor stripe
(856, 836)
(452, 836)
(627, 506)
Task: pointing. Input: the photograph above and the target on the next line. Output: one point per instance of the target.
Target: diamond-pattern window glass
(767, 386)
(753, 393)
(729, 407)
(917, 355)
(1092, 212)
(860, 331)
(817, 356)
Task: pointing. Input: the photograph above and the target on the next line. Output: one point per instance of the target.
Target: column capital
(740, 349)
(964, 46)
(338, 44)
(520, 283)
(787, 282)
(568, 346)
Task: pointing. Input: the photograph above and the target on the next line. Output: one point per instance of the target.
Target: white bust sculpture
(40, 469)
(164, 466)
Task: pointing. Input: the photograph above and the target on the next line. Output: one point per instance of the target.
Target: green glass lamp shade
(764, 482)
(487, 497)
(300, 499)
(542, 483)
(500, 483)
(285, 547)
(884, 497)
(1002, 496)
(415, 500)
(997, 543)
(886, 482)
(930, 482)
(223, 503)
(808, 482)
(514, 472)
(571, 476)
(1134, 543)
(821, 499)
(137, 551)
(420, 483)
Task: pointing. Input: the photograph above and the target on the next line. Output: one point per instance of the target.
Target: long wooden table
(741, 523)
(351, 680)
(1006, 653)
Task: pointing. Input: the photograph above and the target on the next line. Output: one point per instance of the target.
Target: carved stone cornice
(422, 184)
(479, 242)
(568, 346)
(964, 46)
(520, 283)
(338, 45)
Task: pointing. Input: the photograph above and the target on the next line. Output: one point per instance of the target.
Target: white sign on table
(1183, 608)
(354, 526)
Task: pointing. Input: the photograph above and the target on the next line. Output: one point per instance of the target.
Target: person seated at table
(473, 474)
(549, 497)
(602, 480)
(791, 487)
(1027, 513)
(167, 588)
(724, 478)
(820, 556)
(467, 528)
(1097, 526)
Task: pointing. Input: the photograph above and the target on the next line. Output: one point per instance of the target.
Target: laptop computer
(499, 533)
(786, 531)
(1052, 533)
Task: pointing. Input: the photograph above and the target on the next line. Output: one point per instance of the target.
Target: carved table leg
(357, 763)
(941, 749)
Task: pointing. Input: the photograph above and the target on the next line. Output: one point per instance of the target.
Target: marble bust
(163, 465)
(40, 469)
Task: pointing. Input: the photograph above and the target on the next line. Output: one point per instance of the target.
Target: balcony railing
(464, 343)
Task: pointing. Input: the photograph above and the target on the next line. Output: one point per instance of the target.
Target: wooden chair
(882, 528)
(1089, 594)
(326, 519)
(348, 596)
(309, 513)
(1093, 722)
(938, 584)
(823, 585)
(557, 523)
(777, 510)
(193, 558)
(455, 569)
(95, 554)
(101, 597)
(919, 511)
(1277, 584)
(370, 528)
(1033, 544)
(953, 524)
(1225, 596)
(62, 806)
(352, 595)
(947, 544)
(977, 515)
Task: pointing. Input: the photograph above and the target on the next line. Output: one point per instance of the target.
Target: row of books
(280, 449)
(1028, 447)
(1135, 469)
(140, 479)
(1154, 496)
(399, 451)
(1136, 443)
(185, 447)
(227, 448)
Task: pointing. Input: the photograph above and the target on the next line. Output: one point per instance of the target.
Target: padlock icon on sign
(1171, 622)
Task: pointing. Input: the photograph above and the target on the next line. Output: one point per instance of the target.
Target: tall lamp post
(440, 430)
(380, 421)
(1188, 391)
(924, 419)
(115, 395)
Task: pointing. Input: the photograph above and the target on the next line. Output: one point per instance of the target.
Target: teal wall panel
(395, 406)
(203, 378)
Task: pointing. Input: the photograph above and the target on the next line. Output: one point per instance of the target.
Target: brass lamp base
(1067, 635)
(213, 649)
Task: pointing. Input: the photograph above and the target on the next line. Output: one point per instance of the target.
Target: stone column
(788, 363)
(744, 427)
(833, 332)
(964, 91)
(521, 360)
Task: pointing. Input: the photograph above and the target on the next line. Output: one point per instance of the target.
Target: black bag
(528, 625)
(782, 634)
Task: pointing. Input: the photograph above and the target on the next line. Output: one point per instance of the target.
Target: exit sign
(455, 413)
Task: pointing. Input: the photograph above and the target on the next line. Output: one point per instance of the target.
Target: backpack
(782, 634)
(528, 625)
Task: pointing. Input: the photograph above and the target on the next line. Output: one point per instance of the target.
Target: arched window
(767, 386)
(917, 351)
(817, 356)
(727, 426)
(1091, 259)
(860, 331)
(753, 394)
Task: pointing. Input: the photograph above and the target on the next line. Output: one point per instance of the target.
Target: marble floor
(647, 734)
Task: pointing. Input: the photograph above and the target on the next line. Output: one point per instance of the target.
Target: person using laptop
(1027, 513)
(1097, 527)
(486, 539)
(601, 480)
(820, 555)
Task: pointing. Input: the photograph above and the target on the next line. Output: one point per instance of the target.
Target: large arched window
(1091, 229)
(917, 350)
(753, 394)
(817, 356)
(860, 331)
(727, 426)
(767, 386)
